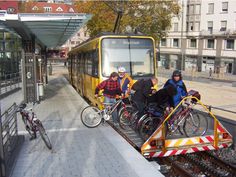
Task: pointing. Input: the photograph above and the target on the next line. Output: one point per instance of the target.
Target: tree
(149, 17)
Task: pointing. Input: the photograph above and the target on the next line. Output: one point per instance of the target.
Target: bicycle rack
(10, 141)
(159, 146)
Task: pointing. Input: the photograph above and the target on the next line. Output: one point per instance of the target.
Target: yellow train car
(93, 60)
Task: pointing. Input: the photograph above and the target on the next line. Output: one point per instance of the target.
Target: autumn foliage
(149, 17)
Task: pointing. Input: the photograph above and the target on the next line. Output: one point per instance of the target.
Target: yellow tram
(93, 60)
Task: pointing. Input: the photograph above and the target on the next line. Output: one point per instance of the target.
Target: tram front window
(136, 55)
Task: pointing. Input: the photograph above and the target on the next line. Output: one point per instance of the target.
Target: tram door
(29, 77)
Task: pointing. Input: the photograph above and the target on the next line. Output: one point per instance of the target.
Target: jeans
(140, 106)
(114, 114)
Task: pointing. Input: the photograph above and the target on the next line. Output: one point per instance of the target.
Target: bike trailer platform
(160, 145)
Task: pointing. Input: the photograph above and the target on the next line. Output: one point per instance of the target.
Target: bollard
(41, 91)
(50, 69)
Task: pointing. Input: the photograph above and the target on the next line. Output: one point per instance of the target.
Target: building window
(210, 8)
(193, 43)
(163, 42)
(72, 42)
(191, 9)
(223, 25)
(175, 26)
(85, 34)
(78, 34)
(187, 26)
(175, 42)
(197, 26)
(197, 9)
(47, 9)
(59, 9)
(210, 26)
(190, 26)
(35, 8)
(224, 6)
(210, 43)
(11, 10)
(77, 42)
(230, 44)
(71, 10)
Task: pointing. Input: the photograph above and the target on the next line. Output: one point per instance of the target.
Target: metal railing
(9, 139)
(9, 82)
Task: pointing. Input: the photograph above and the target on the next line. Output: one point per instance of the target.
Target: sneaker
(116, 124)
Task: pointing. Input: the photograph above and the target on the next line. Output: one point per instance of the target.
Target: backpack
(138, 85)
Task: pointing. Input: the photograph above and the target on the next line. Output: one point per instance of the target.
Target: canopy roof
(51, 30)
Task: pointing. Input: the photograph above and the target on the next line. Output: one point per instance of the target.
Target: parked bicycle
(91, 116)
(33, 124)
(185, 121)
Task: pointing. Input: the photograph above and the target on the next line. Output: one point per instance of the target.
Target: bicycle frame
(180, 117)
(26, 117)
(113, 107)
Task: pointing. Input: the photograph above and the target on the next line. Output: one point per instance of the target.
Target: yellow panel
(182, 142)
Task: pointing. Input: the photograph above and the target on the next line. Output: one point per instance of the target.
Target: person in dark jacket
(143, 88)
(178, 83)
(111, 88)
(163, 96)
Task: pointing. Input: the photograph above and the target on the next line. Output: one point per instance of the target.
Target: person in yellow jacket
(126, 82)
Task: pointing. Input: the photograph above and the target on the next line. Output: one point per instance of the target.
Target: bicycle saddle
(22, 106)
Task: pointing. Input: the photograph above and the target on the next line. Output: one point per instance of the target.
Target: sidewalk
(199, 76)
(77, 150)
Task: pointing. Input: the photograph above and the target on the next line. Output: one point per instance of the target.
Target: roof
(55, 7)
(9, 4)
(50, 30)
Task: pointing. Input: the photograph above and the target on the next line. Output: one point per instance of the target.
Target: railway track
(199, 164)
(204, 164)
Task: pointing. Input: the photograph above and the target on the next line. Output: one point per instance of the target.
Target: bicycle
(33, 124)
(91, 116)
(186, 120)
(125, 114)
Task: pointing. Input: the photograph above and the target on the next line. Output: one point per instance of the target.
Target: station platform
(77, 150)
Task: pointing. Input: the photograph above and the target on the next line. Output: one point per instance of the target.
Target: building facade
(79, 37)
(202, 37)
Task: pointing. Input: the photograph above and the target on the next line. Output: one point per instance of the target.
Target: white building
(203, 37)
(78, 38)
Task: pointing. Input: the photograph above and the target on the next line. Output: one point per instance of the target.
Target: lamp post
(182, 49)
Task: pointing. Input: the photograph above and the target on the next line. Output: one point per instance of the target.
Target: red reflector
(153, 143)
(225, 135)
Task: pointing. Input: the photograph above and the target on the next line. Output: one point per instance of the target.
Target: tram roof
(50, 29)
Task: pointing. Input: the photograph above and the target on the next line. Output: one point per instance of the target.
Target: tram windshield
(135, 54)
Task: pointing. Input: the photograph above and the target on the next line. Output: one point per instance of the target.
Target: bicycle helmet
(121, 69)
(177, 73)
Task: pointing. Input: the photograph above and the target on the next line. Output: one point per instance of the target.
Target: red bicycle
(185, 121)
(33, 124)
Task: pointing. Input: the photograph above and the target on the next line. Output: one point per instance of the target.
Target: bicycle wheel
(91, 116)
(122, 109)
(125, 117)
(196, 124)
(43, 134)
(148, 126)
(134, 120)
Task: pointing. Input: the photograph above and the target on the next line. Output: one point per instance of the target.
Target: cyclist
(111, 88)
(126, 82)
(143, 88)
(178, 83)
(162, 97)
